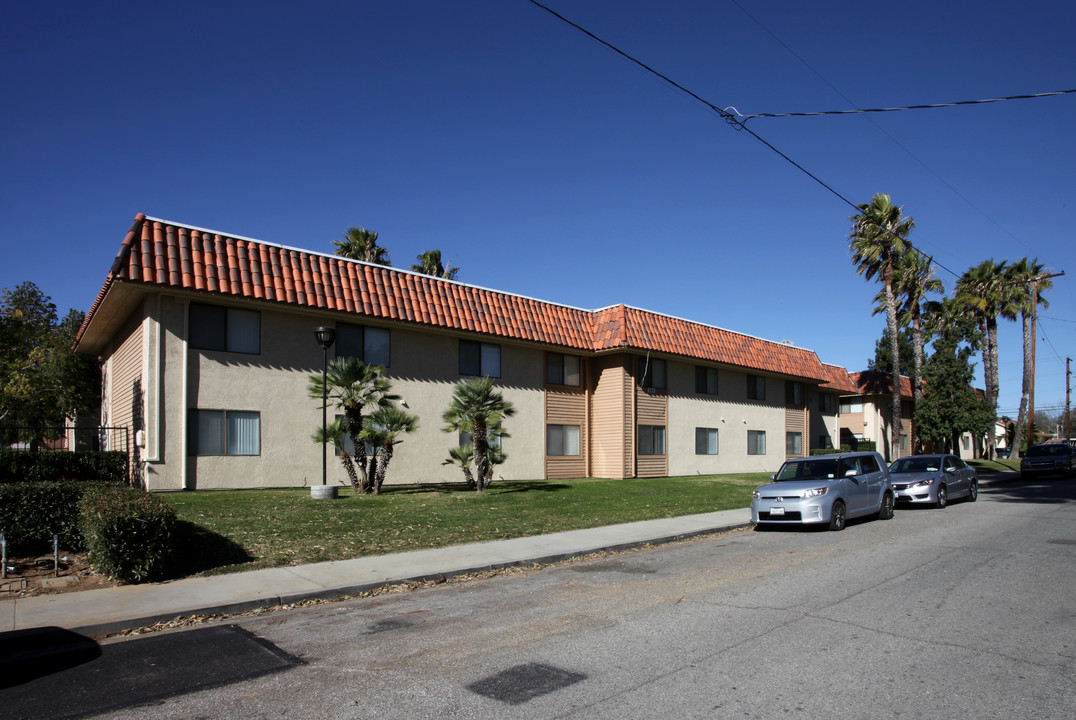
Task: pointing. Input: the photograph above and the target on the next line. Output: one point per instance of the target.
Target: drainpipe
(184, 394)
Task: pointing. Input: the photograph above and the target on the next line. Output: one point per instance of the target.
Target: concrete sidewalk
(100, 612)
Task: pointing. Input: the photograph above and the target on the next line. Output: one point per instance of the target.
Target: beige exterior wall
(732, 414)
(423, 369)
(424, 365)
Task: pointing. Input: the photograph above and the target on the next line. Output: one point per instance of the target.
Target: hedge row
(86, 466)
(126, 532)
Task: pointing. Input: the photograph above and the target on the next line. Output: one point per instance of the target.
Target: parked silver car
(825, 489)
(933, 480)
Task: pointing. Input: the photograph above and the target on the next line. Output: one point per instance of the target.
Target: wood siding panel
(127, 392)
(610, 430)
(567, 407)
(652, 466)
(796, 421)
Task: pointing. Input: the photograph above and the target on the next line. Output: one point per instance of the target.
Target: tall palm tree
(913, 280)
(353, 386)
(879, 237)
(429, 263)
(1020, 277)
(475, 408)
(334, 433)
(383, 426)
(986, 290)
(361, 244)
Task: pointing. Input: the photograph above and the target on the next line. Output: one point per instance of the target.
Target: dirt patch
(30, 576)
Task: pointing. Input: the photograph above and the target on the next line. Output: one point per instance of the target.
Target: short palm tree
(361, 244)
(334, 434)
(879, 237)
(476, 407)
(383, 426)
(353, 386)
(1025, 298)
(429, 263)
(461, 457)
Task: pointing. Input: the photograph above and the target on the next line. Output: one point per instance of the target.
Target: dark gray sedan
(933, 480)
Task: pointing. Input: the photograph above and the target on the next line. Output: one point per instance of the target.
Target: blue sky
(544, 164)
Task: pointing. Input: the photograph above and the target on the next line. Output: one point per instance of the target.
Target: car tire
(886, 511)
(973, 491)
(838, 517)
(943, 498)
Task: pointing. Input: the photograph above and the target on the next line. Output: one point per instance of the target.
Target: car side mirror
(851, 472)
(773, 477)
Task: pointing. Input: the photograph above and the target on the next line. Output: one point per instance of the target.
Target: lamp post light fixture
(325, 337)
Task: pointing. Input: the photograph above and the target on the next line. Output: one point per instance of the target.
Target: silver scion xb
(826, 489)
(933, 480)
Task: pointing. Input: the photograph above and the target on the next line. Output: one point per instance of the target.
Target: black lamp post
(325, 337)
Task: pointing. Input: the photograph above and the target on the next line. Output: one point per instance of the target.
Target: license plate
(777, 511)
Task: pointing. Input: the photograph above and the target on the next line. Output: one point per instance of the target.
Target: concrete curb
(102, 612)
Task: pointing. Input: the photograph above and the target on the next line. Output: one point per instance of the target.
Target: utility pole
(1068, 389)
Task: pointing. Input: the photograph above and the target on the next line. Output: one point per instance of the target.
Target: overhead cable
(857, 111)
(730, 118)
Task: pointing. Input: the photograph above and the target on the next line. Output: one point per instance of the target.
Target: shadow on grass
(497, 486)
(199, 549)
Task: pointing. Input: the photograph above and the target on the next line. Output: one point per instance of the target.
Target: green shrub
(31, 513)
(87, 466)
(128, 532)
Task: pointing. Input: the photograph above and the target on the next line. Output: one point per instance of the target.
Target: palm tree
(985, 289)
(913, 280)
(335, 432)
(352, 385)
(879, 237)
(383, 426)
(1020, 276)
(477, 407)
(461, 457)
(361, 244)
(429, 263)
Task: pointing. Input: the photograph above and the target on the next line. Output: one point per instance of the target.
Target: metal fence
(65, 437)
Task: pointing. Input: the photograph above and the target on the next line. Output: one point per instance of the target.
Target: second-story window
(481, 359)
(214, 327)
(562, 369)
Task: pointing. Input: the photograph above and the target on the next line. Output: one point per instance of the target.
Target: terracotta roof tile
(879, 382)
(159, 253)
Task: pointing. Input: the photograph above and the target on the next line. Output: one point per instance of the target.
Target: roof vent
(788, 342)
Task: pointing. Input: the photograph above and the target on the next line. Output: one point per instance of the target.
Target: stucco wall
(732, 414)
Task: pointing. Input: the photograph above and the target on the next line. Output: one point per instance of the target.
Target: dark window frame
(703, 375)
(471, 357)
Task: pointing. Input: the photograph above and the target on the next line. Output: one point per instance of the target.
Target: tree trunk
(1025, 387)
(352, 473)
(894, 348)
(917, 378)
(481, 448)
(354, 422)
(382, 467)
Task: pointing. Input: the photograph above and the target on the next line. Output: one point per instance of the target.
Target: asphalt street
(967, 612)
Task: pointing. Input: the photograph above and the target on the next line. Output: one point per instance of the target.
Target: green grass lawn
(999, 465)
(230, 531)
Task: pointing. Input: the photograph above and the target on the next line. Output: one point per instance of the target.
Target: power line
(731, 119)
(857, 111)
(880, 129)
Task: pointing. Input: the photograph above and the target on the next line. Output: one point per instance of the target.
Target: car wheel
(838, 518)
(943, 497)
(886, 511)
(973, 491)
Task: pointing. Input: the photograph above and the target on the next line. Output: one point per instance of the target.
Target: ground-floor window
(562, 440)
(825, 441)
(756, 442)
(793, 443)
(705, 441)
(651, 439)
(224, 432)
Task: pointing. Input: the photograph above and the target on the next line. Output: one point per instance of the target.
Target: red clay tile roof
(878, 382)
(840, 380)
(158, 253)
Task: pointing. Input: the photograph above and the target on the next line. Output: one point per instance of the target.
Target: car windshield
(825, 469)
(1047, 450)
(916, 465)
